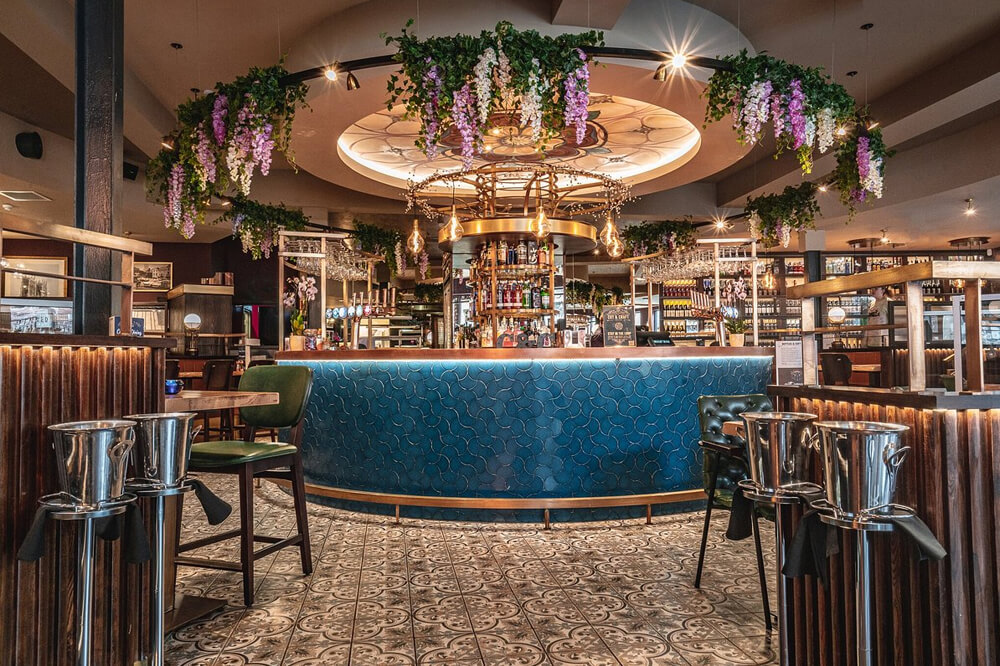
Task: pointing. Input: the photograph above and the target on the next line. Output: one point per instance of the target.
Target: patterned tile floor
(428, 592)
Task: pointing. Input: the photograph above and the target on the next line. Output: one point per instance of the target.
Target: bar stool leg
(784, 653)
(862, 600)
(760, 571)
(708, 518)
(85, 591)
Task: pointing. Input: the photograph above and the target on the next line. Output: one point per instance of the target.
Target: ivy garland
(668, 236)
(772, 217)
(221, 140)
(596, 296)
(257, 224)
(459, 81)
(376, 240)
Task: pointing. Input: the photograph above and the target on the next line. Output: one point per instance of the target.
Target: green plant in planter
(737, 326)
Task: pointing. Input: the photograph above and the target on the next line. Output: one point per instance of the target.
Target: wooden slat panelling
(925, 614)
(40, 386)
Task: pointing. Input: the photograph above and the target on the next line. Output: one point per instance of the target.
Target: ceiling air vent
(24, 195)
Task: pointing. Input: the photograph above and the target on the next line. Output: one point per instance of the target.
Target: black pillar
(813, 261)
(99, 56)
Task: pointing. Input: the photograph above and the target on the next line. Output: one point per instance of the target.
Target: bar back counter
(47, 379)
(529, 430)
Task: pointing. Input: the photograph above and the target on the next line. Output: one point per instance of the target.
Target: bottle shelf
(517, 312)
(517, 270)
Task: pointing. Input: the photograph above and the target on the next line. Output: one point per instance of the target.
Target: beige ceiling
(927, 70)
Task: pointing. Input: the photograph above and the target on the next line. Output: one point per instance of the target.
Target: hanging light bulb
(609, 232)
(616, 248)
(542, 226)
(455, 229)
(768, 280)
(415, 241)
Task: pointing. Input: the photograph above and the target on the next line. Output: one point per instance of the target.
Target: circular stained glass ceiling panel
(625, 138)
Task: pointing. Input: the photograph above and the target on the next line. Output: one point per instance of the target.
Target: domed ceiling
(626, 138)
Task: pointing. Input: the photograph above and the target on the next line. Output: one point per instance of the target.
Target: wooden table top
(199, 401)
(197, 374)
(866, 367)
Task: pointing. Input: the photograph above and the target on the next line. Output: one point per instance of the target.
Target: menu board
(619, 326)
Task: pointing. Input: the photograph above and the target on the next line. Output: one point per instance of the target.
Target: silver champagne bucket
(861, 461)
(91, 456)
(780, 448)
(163, 446)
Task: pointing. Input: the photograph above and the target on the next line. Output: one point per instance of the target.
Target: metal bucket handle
(122, 448)
(895, 459)
(195, 431)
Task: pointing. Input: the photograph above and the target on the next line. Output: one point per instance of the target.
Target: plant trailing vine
(773, 217)
(428, 293)
(257, 224)
(667, 236)
(591, 294)
(222, 139)
(460, 80)
(378, 241)
(807, 112)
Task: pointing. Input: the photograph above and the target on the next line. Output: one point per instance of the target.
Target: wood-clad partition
(933, 613)
(46, 379)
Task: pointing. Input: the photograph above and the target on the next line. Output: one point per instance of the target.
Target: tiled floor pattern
(427, 592)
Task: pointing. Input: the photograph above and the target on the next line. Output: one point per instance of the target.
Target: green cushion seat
(235, 452)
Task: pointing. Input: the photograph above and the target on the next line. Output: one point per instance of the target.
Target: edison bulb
(542, 226)
(454, 229)
(415, 241)
(609, 232)
(615, 248)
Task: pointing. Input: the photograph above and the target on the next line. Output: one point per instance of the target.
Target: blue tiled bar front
(559, 423)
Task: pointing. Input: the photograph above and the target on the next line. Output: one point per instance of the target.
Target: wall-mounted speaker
(29, 144)
(130, 171)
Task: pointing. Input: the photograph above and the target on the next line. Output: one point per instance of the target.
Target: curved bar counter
(524, 429)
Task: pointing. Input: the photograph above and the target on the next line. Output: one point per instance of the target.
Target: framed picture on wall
(153, 275)
(22, 285)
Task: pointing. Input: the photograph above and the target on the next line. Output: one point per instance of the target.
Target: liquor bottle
(536, 297)
(502, 253)
(543, 254)
(522, 253)
(532, 252)
(544, 294)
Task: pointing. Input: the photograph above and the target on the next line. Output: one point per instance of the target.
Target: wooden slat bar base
(41, 385)
(924, 614)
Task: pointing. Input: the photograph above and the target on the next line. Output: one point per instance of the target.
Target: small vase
(296, 342)
(737, 339)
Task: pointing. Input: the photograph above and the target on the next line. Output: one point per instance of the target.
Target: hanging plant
(221, 141)
(378, 241)
(773, 217)
(803, 105)
(668, 236)
(428, 293)
(860, 167)
(460, 81)
(257, 224)
(591, 294)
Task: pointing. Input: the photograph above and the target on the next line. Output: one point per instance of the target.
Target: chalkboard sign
(619, 326)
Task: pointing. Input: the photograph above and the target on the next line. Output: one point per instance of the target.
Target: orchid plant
(303, 290)
(460, 81)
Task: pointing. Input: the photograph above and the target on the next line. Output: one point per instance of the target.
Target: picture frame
(153, 276)
(17, 285)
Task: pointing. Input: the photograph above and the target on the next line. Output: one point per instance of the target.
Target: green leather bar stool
(249, 459)
(724, 466)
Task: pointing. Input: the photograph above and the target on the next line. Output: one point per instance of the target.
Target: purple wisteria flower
(777, 114)
(463, 113)
(796, 113)
(219, 110)
(432, 82)
(577, 94)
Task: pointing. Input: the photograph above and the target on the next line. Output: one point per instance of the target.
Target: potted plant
(737, 330)
(303, 290)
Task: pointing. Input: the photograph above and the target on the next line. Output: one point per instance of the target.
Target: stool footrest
(277, 543)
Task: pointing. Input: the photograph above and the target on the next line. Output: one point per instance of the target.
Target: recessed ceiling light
(195, 90)
(24, 195)
(867, 26)
(8, 207)
(852, 73)
(176, 46)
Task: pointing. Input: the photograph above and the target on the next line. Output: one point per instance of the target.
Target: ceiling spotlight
(196, 91)
(415, 241)
(720, 223)
(352, 81)
(177, 46)
(679, 60)
(852, 73)
(884, 239)
(823, 188)
(330, 73)
(841, 131)
(969, 210)
(873, 125)
(661, 73)
(495, 131)
(227, 202)
(167, 143)
(487, 148)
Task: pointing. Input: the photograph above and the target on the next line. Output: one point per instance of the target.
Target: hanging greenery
(459, 81)
(591, 294)
(428, 293)
(668, 236)
(773, 217)
(378, 241)
(257, 224)
(860, 167)
(221, 140)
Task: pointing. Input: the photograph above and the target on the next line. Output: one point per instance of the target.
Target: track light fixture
(330, 73)
(661, 73)
(352, 81)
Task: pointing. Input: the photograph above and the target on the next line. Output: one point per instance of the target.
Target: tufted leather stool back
(713, 411)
